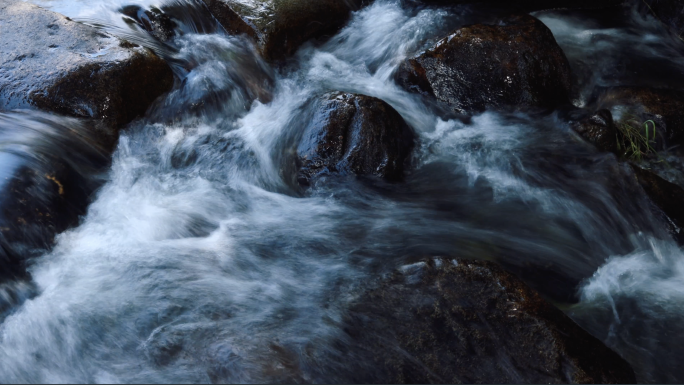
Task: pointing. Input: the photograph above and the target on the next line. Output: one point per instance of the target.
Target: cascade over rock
(153, 20)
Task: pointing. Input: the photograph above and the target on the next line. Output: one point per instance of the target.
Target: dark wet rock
(600, 130)
(354, 134)
(669, 12)
(47, 176)
(534, 5)
(664, 107)
(667, 196)
(152, 20)
(50, 62)
(441, 321)
(515, 64)
(279, 27)
(38, 204)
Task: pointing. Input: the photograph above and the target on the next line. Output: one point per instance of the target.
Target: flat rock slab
(513, 65)
(50, 62)
(279, 27)
(456, 321)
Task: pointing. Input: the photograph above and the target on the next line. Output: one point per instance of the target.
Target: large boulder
(665, 107)
(353, 134)
(53, 63)
(515, 64)
(456, 321)
(279, 27)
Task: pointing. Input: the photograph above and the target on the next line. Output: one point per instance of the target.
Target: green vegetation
(636, 139)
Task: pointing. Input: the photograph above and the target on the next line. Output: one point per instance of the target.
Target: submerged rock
(279, 27)
(600, 130)
(354, 134)
(515, 64)
(444, 321)
(669, 198)
(664, 107)
(53, 63)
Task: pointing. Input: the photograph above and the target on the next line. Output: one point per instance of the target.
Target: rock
(515, 64)
(667, 196)
(52, 63)
(665, 107)
(444, 321)
(47, 176)
(153, 20)
(279, 27)
(669, 12)
(354, 134)
(600, 130)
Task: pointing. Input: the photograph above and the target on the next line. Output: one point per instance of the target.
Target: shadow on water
(199, 260)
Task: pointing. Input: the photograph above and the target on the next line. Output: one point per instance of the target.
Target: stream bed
(200, 250)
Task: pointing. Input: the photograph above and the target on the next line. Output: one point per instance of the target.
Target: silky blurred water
(202, 260)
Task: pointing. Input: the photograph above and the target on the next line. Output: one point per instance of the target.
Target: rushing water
(200, 259)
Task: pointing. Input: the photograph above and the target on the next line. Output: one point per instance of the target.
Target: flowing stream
(200, 258)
